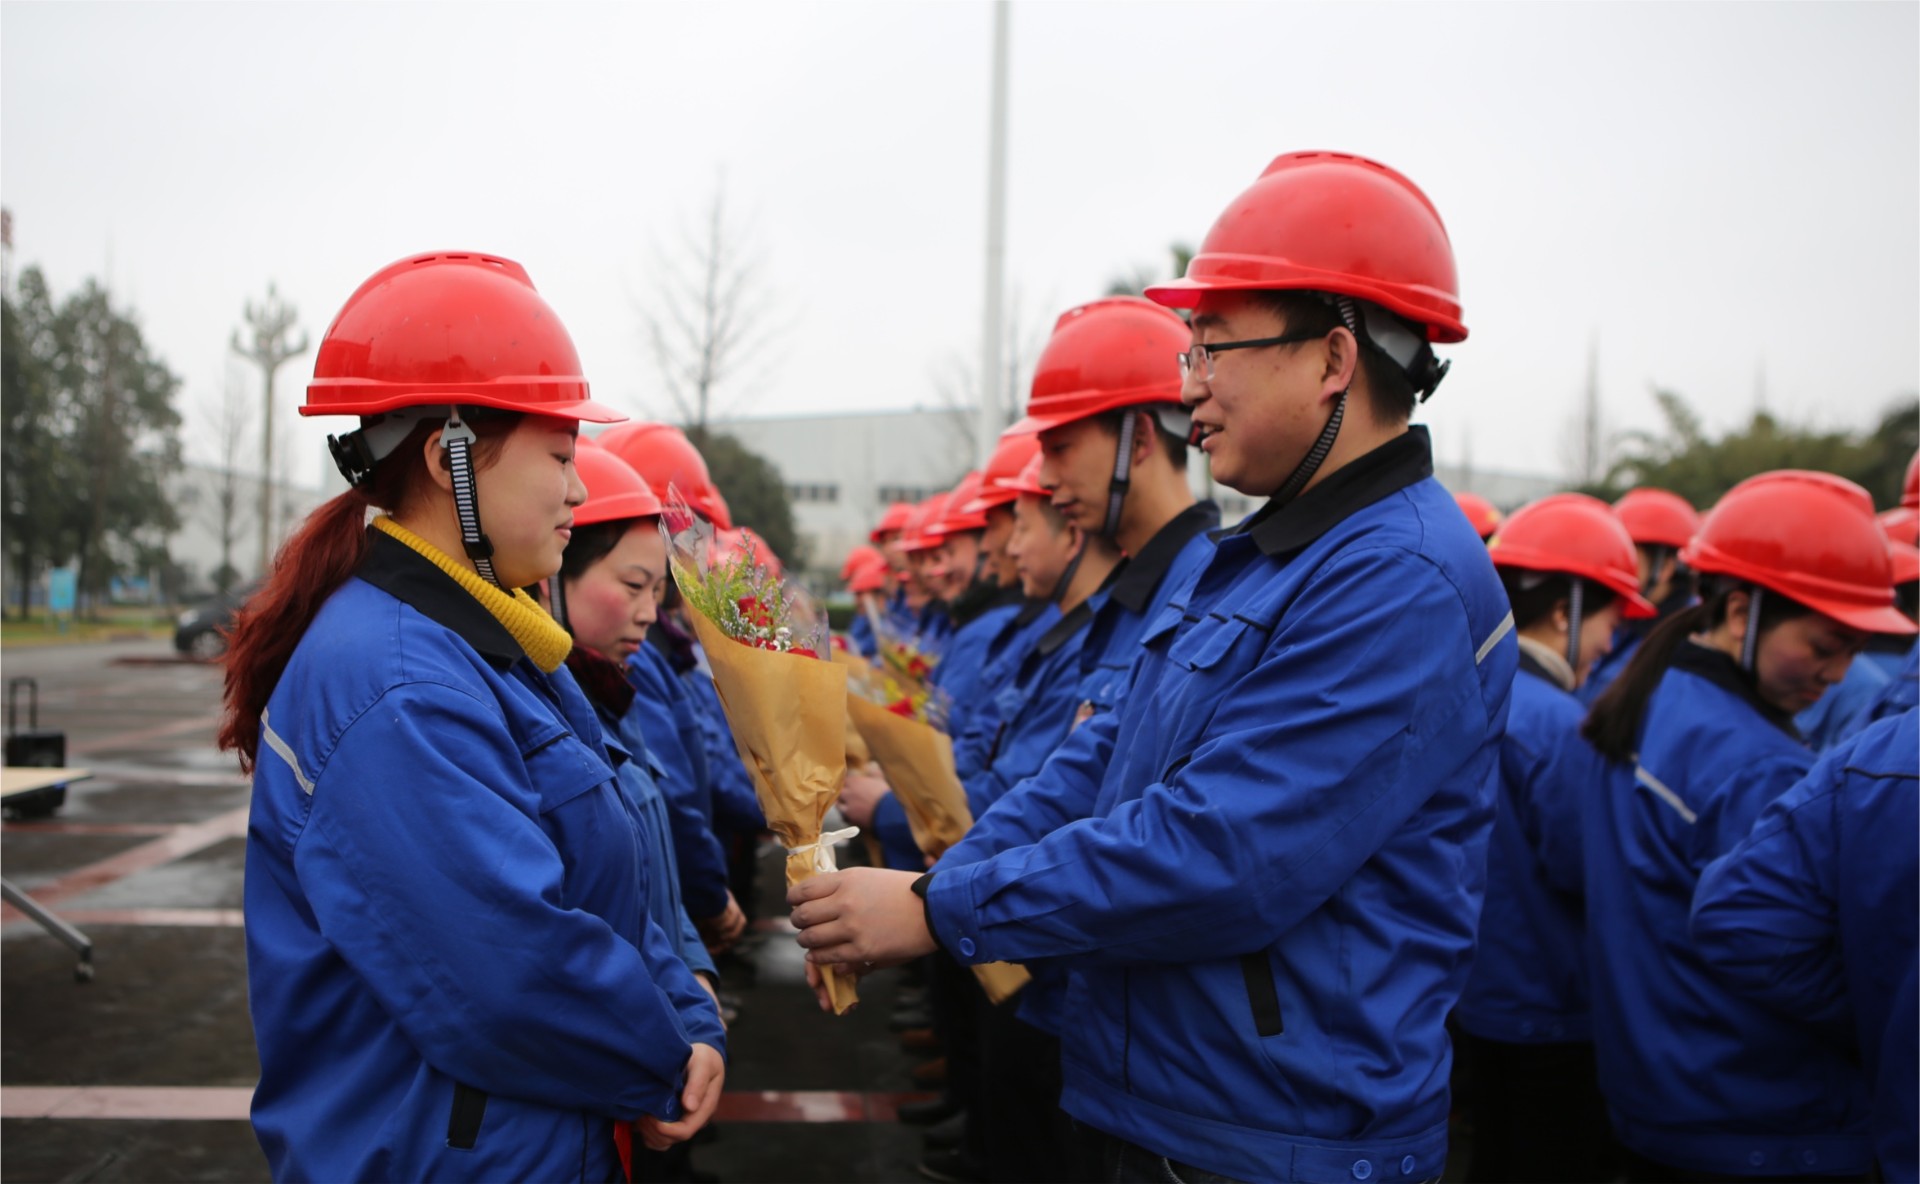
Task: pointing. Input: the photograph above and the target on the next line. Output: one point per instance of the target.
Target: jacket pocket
(563, 769)
(464, 1117)
(1263, 995)
(1206, 643)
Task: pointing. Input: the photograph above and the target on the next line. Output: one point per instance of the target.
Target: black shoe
(947, 1132)
(954, 1167)
(924, 1113)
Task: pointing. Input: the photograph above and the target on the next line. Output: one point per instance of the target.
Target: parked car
(201, 632)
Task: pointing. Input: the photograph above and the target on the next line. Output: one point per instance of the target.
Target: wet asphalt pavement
(143, 1073)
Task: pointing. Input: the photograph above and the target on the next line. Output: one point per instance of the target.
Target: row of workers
(1262, 810)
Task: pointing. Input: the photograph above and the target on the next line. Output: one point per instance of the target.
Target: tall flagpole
(987, 429)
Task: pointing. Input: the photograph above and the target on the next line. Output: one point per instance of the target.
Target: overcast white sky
(1706, 190)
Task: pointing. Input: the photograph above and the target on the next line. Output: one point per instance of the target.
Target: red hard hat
(454, 328)
(1906, 561)
(614, 490)
(1484, 515)
(1910, 492)
(891, 522)
(1028, 481)
(729, 543)
(1576, 535)
(1337, 223)
(914, 535)
(1902, 525)
(1113, 353)
(1809, 536)
(1012, 454)
(957, 518)
(663, 455)
(861, 556)
(870, 578)
(1656, 518)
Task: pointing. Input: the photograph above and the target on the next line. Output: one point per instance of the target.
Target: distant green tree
(1139, 279)
(754, 492)
(1685, 459)
(91, 435)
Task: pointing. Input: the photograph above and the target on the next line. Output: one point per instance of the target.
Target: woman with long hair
(451, 968)
(1699, 736)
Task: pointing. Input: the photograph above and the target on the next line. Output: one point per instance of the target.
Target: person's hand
(719, 933)
(862, 917)
(860, 795)
(817, 980)
(706, 1074)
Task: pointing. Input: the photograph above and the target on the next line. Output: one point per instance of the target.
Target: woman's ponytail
(1613, 724)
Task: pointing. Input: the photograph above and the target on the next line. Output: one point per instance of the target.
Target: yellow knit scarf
(544, 641)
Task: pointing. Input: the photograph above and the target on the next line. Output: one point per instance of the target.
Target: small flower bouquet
(787, 709)
(904, 731)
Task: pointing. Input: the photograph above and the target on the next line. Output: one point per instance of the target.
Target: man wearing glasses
(1263, 870)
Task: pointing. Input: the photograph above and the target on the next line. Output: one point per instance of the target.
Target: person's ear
(438, 466)
(1342, 365)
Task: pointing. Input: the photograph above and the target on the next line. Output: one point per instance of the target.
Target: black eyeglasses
(1200, 357)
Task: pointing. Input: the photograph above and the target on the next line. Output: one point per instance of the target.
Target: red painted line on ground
(179, 844)
(141, 736)
(88, 828)
(230, 1103)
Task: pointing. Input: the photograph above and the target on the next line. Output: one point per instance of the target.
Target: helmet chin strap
(1317, 455)
(1749, 646)
(1576, 602)
(557, 600)
(457, 439)
(1066, 577)
(1122, 474)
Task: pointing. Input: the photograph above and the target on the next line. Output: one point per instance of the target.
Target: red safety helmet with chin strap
(428, 336)
(1483, 514)
(450, 328)
(914, 535)
(1575, 535)
(893, 521)
(1902, 525)
(1656, 518)
(956, 518)
(1119, 352)
(614, 491)
(1337, 223)
(871, 577)
(1906, 561)
(1010, 456)
(1028, 482)
(665, 457)
(1808, 536)
(861, 556)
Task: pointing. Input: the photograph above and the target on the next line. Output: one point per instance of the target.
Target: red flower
(901, 707)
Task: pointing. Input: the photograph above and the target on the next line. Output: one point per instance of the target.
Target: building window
(904, 493)
(825, 495)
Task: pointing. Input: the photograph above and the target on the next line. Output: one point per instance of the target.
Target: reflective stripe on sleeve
(285, 752)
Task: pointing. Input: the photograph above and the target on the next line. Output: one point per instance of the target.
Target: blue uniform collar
(1030, 609)
(1134, 582)
(1062, 630)
(1722, 671)
(1281, 529)
(409, 577)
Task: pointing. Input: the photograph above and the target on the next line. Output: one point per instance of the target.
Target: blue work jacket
(958, 673)
(1266, 865)
(1139, 592)
(1529, 980)
(1036, 709)
(973, 737)
(1698, 1076)
(639, 777)
(451, 970)
(1901, 694)
(1842, 710)
(736, 808)
(1627, 639)
(861, 636)
(1814, 913)
(670, 724)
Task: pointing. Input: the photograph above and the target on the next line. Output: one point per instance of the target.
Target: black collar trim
(1063, 629)
(1531, 665)
(411, 578)
(1280, 529)
(1140, 577)
(1030, 609)
(1722, 671)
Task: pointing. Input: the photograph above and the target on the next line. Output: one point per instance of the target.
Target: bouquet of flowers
(787, 709)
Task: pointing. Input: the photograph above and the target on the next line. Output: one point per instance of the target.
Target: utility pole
(270, 349)
(1591, 446)
(987, 432)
